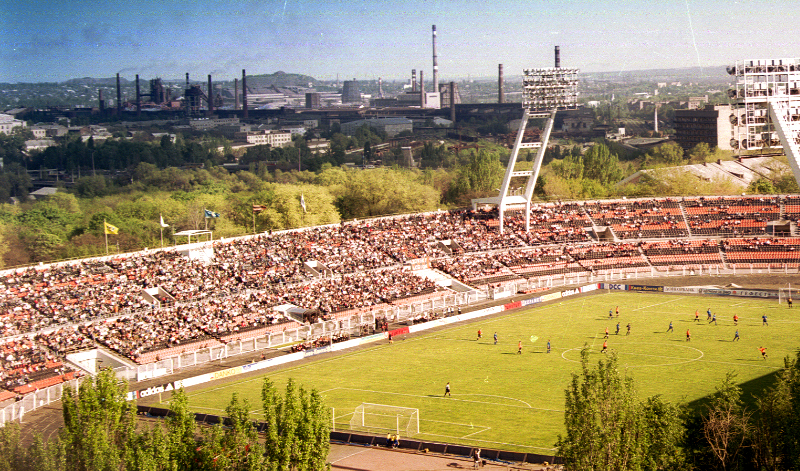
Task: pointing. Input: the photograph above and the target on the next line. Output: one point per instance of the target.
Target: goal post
(384, 418)
(784, 294)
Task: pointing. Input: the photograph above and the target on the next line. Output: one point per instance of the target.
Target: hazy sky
(57, 40)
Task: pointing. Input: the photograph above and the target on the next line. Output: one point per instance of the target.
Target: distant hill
(281, 79)
(112, 81)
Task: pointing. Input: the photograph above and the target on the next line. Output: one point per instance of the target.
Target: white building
(270, 138)
(8, 123)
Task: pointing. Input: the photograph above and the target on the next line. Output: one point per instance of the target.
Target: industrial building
(350, 92)
(391, 126)
(711, 125)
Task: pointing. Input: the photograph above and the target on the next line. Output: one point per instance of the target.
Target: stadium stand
(338, 271)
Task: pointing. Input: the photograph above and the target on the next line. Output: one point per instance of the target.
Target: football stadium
(378, 315)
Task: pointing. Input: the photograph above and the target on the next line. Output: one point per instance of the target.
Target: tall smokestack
(236, 94)
(500, 97)
(413, 80)
(380, 87)
(558, 57)
(187, 80)
(421, 90)
(244, 94)
(655, 121)
(100, 102)
(453, 103)
(119, 97)
(210, 95)
(435, 64)
(138, 98)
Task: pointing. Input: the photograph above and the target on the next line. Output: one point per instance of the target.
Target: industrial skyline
(46, 41)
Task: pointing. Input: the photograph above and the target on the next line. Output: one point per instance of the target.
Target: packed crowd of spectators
(22, 361)
(73, 306)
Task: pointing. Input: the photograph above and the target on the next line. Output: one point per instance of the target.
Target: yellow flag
(109, 229)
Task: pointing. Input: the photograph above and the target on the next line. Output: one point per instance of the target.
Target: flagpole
(161, 226)
(254, 222)
(205, 217)
(105, 231)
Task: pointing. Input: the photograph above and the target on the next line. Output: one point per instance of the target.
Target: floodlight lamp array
(546, 89)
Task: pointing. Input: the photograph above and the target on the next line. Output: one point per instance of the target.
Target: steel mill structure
(544, 92)
(766, 107)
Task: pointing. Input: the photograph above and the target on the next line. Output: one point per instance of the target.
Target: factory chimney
(453, 103)
(119, 97)
(413, 80)
(235, 93)
(435, 64)
(558, 57)
(655, 122)
(138, 98)
(380, 87)
(244, 94)
(101, 103)
(421, 90)
(500, 96)
(210, 95)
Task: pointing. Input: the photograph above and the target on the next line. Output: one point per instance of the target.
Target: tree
(609, 429)
(601, 165)
(669, 154)
(298, 428)
(99, 423)
(726, 423)
(775, 430)
(701, 153)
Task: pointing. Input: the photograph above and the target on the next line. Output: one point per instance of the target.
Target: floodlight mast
(544, 93)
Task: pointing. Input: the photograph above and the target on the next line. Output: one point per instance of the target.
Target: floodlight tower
(767, 107)
(544, 92)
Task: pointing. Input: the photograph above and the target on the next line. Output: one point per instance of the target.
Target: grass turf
(502, 399)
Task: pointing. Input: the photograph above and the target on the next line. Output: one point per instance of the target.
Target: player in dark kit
(670, 327)
(735, 336)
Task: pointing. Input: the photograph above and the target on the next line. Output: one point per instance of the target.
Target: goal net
(403, 421)
(784, 294)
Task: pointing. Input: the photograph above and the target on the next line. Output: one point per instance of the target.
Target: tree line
(101, 433)
(608, 428)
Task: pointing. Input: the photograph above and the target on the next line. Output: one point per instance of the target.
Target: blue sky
(58, 40)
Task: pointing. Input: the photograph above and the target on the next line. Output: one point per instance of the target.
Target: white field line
(527, 406)
(677, 298)
(475, 433)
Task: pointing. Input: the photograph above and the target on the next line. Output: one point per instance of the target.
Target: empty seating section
(678, 252)
(791, 208)
(731, 216)
(745, 251)
(599, 257)
(50, 311)
(640, 219)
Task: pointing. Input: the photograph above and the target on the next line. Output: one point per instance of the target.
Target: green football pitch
(502, 399)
